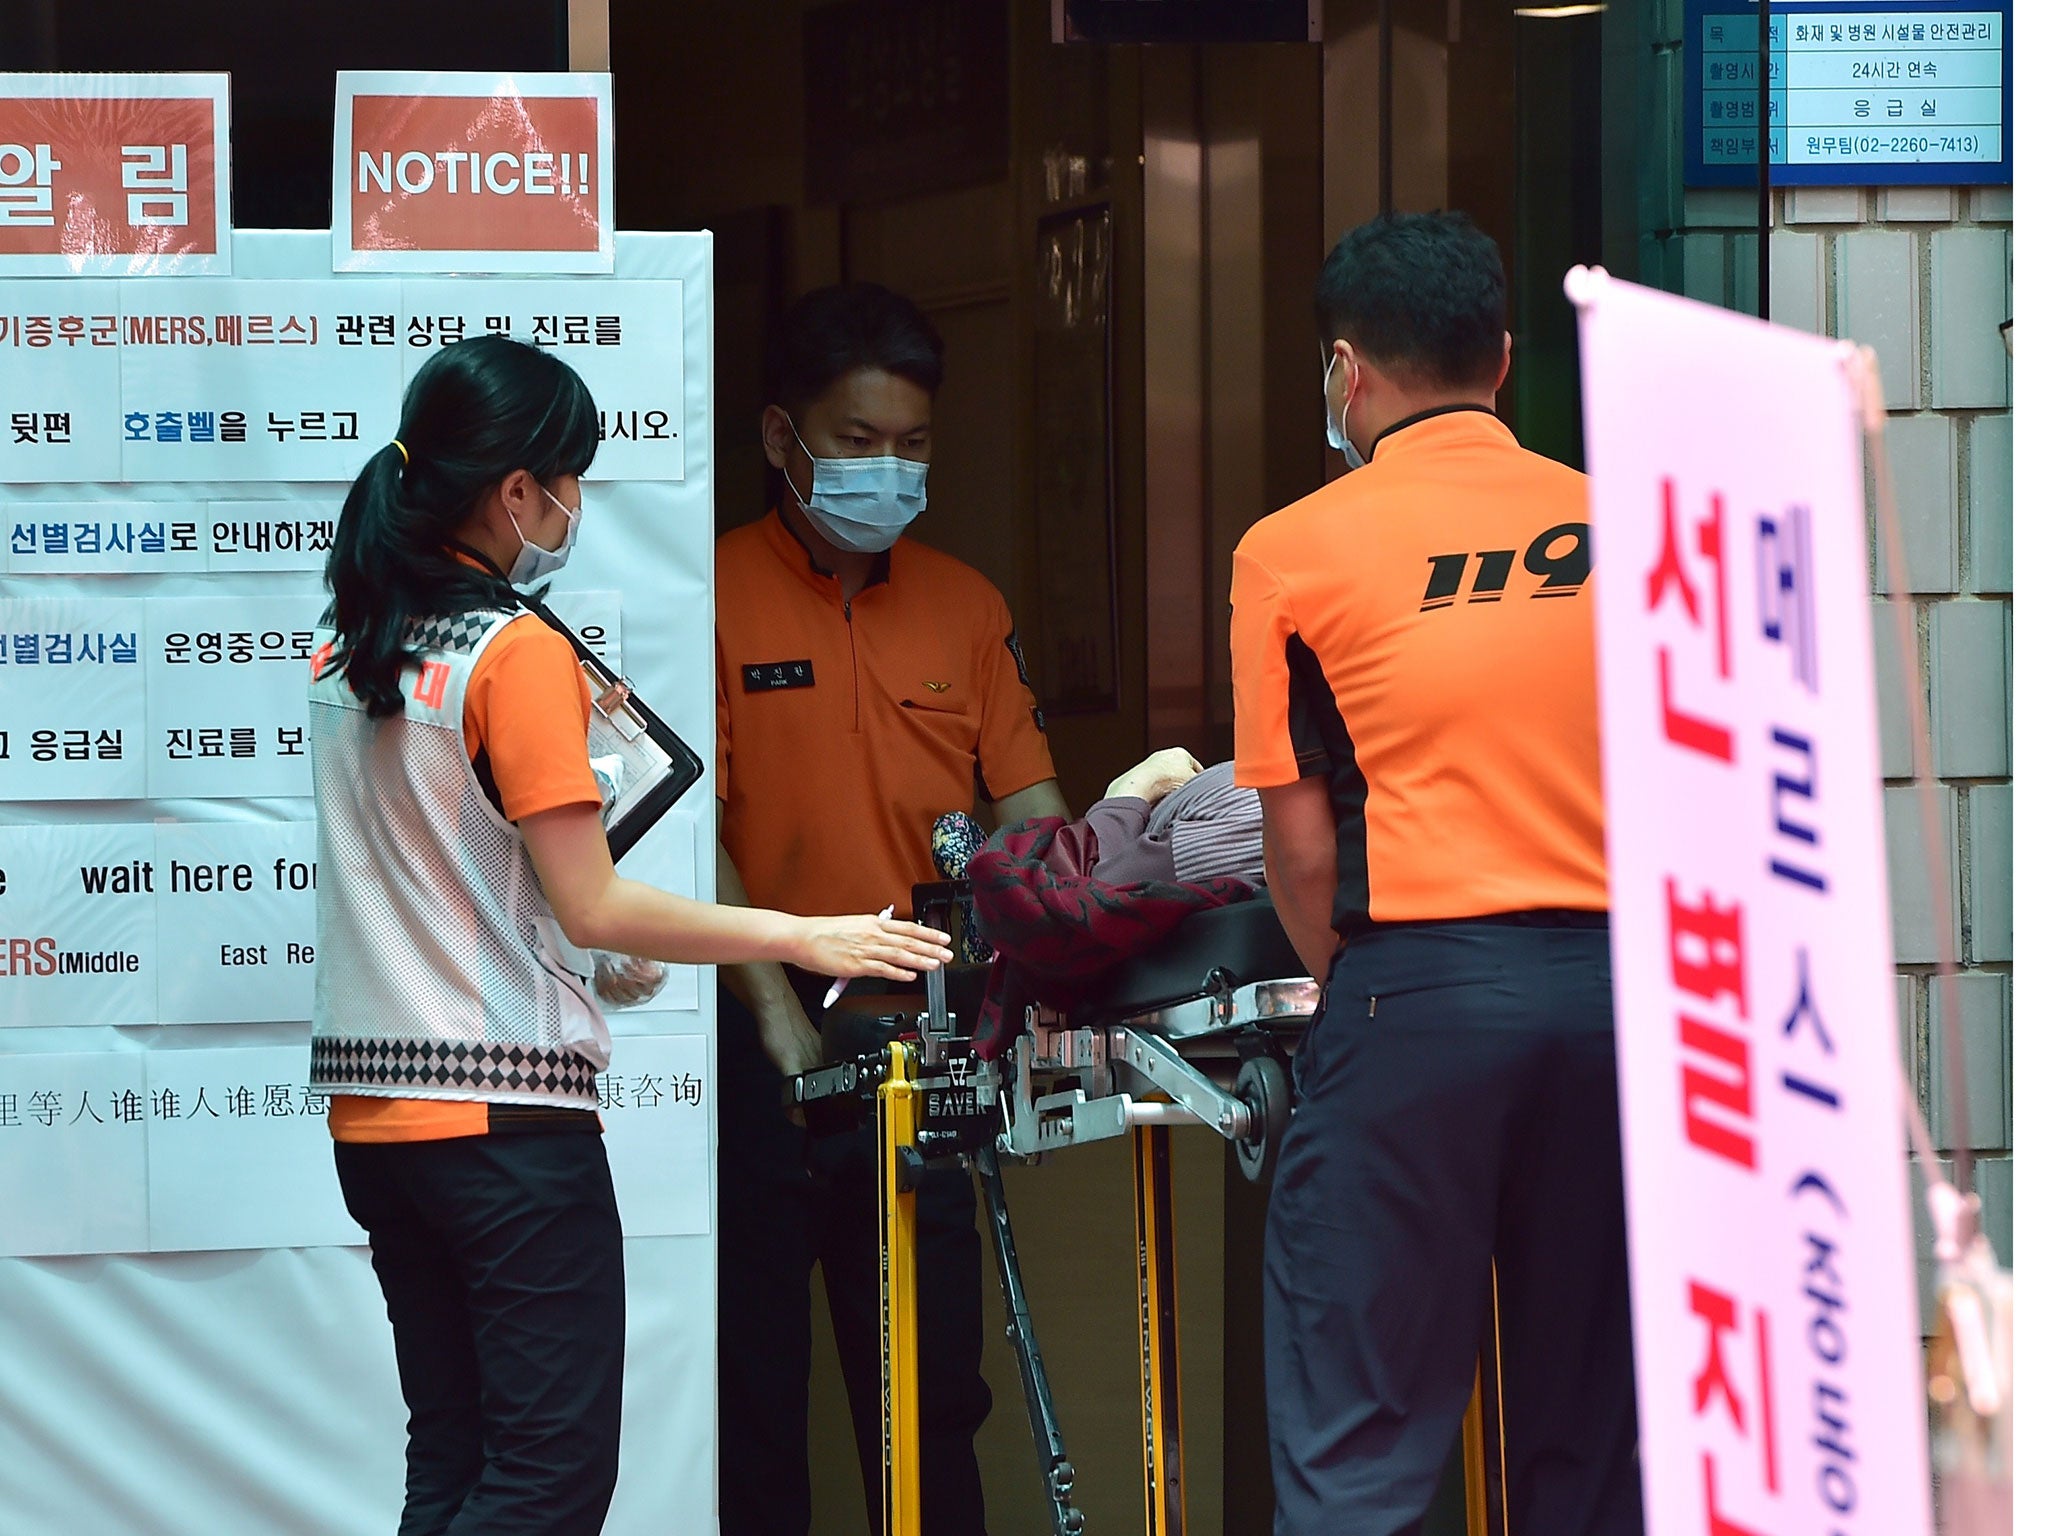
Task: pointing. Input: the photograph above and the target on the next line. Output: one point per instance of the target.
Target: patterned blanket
(1053, 926)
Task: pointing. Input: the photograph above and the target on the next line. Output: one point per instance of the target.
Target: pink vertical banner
(1770, 1250)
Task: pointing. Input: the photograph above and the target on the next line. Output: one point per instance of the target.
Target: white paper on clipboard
(629, 762)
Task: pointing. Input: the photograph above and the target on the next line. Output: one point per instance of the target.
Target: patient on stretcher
(1061, 903)
(1166, 819)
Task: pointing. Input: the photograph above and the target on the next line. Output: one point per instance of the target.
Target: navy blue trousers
(1456, 1103)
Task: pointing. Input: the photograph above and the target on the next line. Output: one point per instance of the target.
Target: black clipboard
(654, 765)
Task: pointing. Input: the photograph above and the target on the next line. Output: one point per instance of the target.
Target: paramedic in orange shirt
(465, 880)
(1412, 659)
(867, 685)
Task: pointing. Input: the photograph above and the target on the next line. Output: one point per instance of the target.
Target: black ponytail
(474, 413)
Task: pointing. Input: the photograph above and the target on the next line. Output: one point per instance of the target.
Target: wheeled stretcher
(1199, 1030)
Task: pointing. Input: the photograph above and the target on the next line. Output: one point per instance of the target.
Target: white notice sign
(78, 924)
(57, 399)
(237, 379)
(235, 921)
(625, 339)
(1776, 1332)
(241, 1158)
(595, 618)
(71, 671)
(72, 1131)
(227, 696)
(657, 1126)
(100, 538)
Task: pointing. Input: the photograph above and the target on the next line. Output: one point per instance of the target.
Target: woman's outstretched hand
(870, 946)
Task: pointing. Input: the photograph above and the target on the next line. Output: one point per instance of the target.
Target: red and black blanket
(1054, 926)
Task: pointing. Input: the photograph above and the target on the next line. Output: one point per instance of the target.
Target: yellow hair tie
(402, 453)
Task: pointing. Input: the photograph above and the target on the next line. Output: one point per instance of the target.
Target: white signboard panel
(1776, 1326)
(273, 535)
(57, 399)
(72, 673)
(72, 1153)
(235, 921)
(100, 538)
(177, 1150)
(239, 1156)
(655, 1101)
(227, 696)
(249, 380)
(625, 339)
(225, 1147)
(78, 941)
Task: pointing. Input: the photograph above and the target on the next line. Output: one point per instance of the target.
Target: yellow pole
(1158, 1332)
(1475, 1462)
(896, 1119)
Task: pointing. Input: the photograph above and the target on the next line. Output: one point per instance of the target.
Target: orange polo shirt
(847, 727)
(526, 721)
(1421, 632)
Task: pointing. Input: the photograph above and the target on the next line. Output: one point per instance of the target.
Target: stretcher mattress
(1210, 952)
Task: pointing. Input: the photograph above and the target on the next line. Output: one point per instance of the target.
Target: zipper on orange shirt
(853, 659)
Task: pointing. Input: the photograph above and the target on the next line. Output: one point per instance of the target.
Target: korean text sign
(113, 174)
(1776, 1328)
(472, 172)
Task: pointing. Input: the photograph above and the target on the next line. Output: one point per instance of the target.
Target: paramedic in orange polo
(867, 685)
(1412, 655)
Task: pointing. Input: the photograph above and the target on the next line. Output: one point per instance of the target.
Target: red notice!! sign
(472, 172)
(113, 175)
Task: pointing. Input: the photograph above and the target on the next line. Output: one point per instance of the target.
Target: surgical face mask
(1333, 432)
(532, 562)
(861, 505)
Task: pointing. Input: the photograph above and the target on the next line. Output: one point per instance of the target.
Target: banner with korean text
(114, 174)
(1776, 1328)
(472, 172)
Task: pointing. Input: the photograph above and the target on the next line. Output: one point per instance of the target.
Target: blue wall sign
(1910, 93)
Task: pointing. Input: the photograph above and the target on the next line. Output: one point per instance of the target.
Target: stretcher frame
(1140, 1076)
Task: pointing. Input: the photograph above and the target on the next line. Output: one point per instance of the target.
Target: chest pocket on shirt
(952, 717)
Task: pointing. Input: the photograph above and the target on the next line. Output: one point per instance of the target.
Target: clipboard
(642, 766)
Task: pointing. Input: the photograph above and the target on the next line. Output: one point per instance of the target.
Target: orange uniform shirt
(1421, 631)
(846, 728)
(525, 722)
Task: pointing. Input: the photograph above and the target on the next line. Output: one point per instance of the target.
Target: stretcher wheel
(1262, 1085)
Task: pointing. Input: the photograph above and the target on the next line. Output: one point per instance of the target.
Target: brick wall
(1924, 276)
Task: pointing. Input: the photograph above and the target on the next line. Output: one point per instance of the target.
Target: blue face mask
(532, 562)
(1333, 433)
(861, 505)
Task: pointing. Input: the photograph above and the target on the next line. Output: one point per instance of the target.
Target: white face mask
(532, 562)
(1333, 432)
(861, 505)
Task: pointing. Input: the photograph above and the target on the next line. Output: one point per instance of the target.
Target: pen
(838, 988)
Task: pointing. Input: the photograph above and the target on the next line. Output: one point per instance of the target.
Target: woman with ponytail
(465, 886)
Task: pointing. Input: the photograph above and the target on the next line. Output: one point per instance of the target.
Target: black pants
(788, 1200)
(503, 1269)
(1457, 1103)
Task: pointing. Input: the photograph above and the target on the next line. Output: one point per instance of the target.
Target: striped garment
(1205, 830)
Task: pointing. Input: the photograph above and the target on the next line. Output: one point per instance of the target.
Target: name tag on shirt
(768, 676)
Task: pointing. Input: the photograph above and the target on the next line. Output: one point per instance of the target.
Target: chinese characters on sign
(168, 1151)
(113, 174)
(1914, 92)
(1771, 1263)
